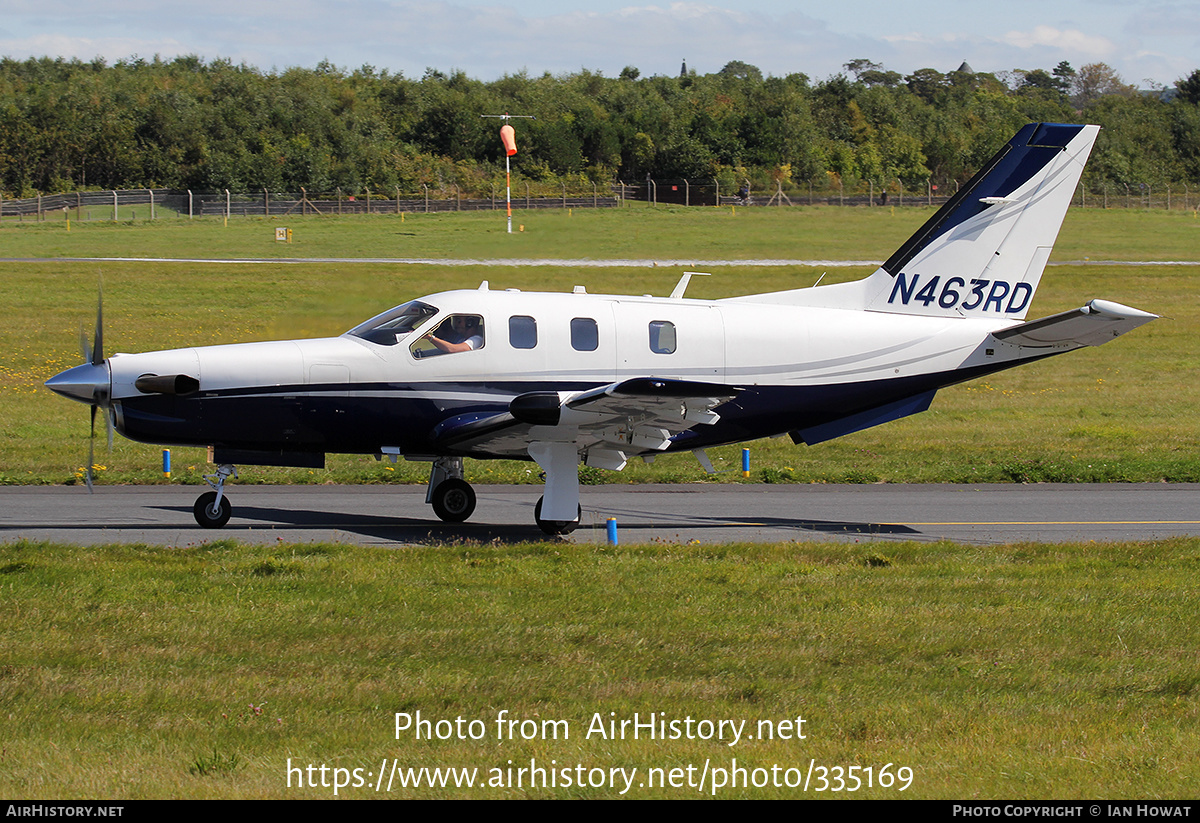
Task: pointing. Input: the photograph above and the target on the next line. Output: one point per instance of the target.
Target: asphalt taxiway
(707, 513)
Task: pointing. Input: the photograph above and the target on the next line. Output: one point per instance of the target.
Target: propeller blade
(84, 348)
(87, 475)
(98, 347)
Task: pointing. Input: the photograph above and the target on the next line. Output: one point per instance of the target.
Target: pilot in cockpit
(459, 332)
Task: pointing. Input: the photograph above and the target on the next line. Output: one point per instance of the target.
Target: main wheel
(453, 500)
(556, 527)
(208, 514)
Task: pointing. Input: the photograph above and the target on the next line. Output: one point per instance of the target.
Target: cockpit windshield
(389, 328)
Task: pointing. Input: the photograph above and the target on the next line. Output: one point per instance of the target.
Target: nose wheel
(211, 513)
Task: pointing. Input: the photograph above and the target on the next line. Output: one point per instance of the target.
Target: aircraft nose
(89, 383)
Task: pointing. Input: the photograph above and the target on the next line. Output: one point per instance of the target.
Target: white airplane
(564, 378)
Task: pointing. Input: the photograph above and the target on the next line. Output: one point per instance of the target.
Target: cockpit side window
(457, 333)
(392, 326)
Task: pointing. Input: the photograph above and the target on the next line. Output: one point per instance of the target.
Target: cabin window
(662, 337)
(585, 335)
(522, 332)
(457, 333)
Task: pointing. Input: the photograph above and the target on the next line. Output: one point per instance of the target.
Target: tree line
(188, 123)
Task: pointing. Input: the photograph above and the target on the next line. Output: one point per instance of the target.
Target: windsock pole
(509, 138)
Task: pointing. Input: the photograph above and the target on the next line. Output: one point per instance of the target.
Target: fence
(869, 193)
(151, 204)
(710, 193)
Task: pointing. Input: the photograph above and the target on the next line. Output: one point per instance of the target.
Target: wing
(1091, 325)
(606, 423)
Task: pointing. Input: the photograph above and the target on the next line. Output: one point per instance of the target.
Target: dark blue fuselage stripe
(337, 418)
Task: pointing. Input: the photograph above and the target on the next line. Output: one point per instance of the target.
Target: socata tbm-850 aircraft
(565, 378)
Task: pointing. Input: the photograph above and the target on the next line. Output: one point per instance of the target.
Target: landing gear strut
(212, 509)
(560, 461)
(452, 498)
(556, 527)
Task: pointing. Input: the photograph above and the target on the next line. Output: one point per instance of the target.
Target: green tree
(1188, 88)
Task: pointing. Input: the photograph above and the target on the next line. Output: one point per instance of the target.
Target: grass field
(1016, 672)
(1121, 412)
(1012, 672)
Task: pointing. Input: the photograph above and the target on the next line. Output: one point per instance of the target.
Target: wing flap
(638, 415)
(676, 405)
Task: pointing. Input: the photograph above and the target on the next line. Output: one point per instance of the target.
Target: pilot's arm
(469, 344)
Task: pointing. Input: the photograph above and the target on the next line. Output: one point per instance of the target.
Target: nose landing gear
(212, 509)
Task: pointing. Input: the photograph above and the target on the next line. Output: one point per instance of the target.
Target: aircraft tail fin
(982, 254)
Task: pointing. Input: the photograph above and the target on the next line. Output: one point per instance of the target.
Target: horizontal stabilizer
(1091, 325)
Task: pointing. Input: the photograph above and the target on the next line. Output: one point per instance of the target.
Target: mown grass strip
(1020, 671)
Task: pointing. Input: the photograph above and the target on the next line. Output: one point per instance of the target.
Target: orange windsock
(509, 138)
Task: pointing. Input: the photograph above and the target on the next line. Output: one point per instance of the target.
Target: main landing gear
(556, 527)
(452, 498)
(212, 509)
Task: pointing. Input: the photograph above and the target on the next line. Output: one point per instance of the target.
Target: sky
(1148, 42)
